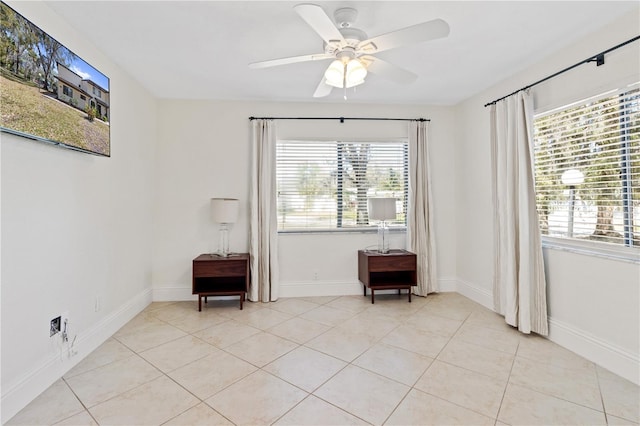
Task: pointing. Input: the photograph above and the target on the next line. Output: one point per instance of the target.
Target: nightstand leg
(199, 303)
(241, 300)
(409, 295)
(372, 295)
(364, 289)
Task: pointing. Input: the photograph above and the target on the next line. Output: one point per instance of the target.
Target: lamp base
(223, 247)
(220, 254)
(383, 238)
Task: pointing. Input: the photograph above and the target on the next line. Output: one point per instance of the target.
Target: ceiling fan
(352, 51)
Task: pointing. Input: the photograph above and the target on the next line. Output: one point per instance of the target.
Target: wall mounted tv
(47, 92)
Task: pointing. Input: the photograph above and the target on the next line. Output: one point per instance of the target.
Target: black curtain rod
(339, 118)
(598, 59)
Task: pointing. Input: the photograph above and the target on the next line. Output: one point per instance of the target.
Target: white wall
(203, 152)
(594, 304)
(74, 226)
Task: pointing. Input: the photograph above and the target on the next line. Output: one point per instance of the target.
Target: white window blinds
(587, 169)
(325, 185)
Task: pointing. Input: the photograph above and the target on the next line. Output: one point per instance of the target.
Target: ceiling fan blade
(317, 19)
(290, 60)
(323, 89)
(389, 71)
(429, 30)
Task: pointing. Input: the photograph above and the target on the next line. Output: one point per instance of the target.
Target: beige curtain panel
(519, 290)
(263, 247)
(420, 232)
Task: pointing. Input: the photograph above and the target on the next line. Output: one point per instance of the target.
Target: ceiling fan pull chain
(344, 81)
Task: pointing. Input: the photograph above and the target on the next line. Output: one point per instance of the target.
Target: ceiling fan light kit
(352, 51)
(345, 74)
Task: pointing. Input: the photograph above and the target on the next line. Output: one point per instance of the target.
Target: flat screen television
(47, 92)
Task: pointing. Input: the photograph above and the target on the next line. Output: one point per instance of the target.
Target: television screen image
(49, 93)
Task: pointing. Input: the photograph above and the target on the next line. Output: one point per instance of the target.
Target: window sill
(398, 230)
(588, 248)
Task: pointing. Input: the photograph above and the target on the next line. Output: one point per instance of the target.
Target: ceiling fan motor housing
(345, 16)
(352, 36)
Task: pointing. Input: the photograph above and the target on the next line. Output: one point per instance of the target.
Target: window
(325, 185)
(83, 97)
(595, 146)
(67, 91)
(97, 92)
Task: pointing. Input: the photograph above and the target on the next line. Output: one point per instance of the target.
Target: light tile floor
(331, 361)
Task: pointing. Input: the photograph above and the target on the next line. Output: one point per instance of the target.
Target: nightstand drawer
(392, 263)
(228, 268)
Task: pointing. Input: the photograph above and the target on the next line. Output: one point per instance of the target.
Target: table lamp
(382, 209)
(224, 211)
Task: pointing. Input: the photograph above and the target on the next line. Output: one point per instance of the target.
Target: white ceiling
(200, 49)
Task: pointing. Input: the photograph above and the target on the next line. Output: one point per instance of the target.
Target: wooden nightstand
(393, 270)
(220, 276)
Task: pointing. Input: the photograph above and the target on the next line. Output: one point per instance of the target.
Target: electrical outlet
(315, 275)
(54, 326)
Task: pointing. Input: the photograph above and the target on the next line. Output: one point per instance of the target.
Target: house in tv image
(82, 93)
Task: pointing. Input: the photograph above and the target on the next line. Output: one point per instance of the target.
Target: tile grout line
(604, 408)
(506, 385)
(86, 409)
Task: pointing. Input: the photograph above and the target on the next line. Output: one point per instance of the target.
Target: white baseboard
(476, 293)
(287, 289)
(295, 289)
(173, 294)
(343, 288)
(320, 288)
(606, 355)
(24, 390)
(447, 285)
(179, 294)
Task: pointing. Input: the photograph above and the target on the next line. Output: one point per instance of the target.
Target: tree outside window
(600, 138)
(326, 185)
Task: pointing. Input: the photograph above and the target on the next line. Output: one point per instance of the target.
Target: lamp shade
(382, 208)
(224, 210)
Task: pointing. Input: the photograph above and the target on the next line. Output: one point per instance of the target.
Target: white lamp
(382, 209)
(224, 211)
